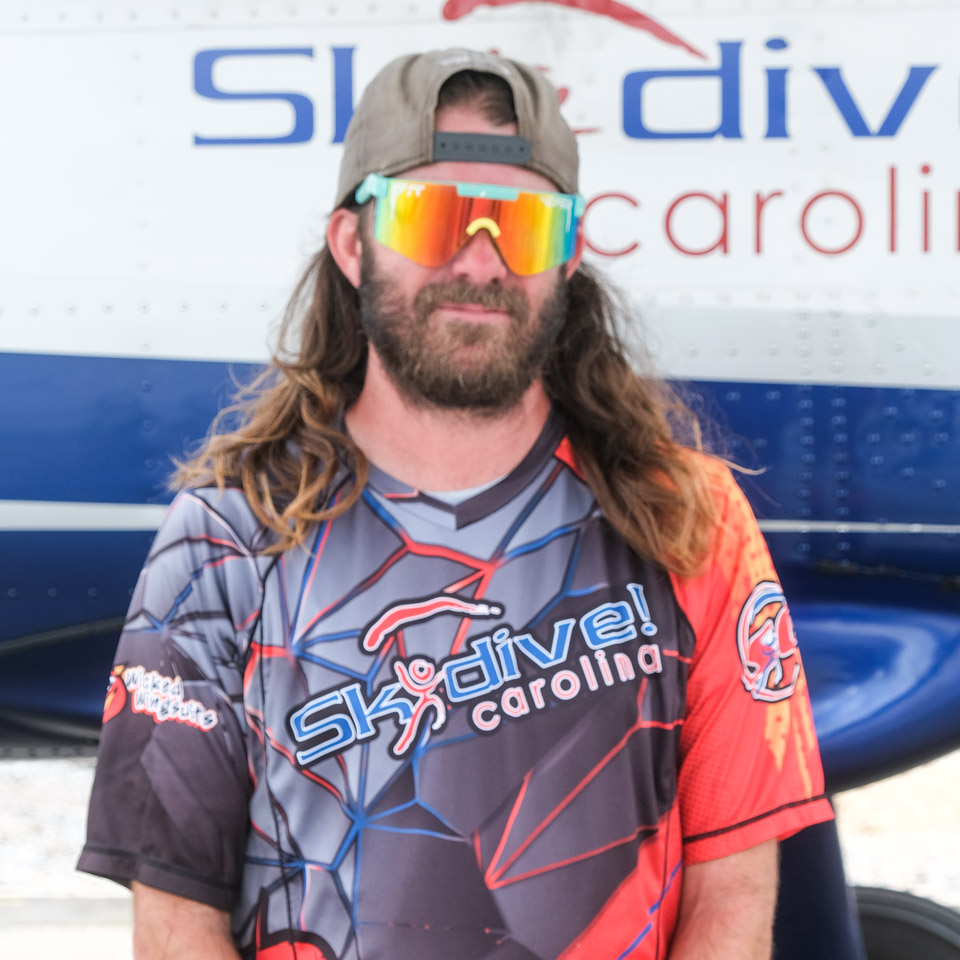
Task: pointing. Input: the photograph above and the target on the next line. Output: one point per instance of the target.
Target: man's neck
(435, 449)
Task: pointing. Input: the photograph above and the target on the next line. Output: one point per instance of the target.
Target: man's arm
(166, 927)
(726, 907)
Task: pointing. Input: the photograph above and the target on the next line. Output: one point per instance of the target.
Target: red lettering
(722, 242)
(485, 716)
(588, 673)
(514, 702)
(761, 200)
(624, 666)
(605, 672)
(592, 247)
(806, 212)
(536, 691)
(565, 684)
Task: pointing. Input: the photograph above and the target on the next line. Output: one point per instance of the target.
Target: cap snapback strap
(483, 147)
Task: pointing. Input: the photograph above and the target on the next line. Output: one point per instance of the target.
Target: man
(467, 656)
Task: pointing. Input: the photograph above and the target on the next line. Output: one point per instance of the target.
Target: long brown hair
(631, 435)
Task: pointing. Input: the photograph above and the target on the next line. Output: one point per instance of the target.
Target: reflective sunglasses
(429, 222)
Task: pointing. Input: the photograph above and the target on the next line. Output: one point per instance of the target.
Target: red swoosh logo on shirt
(397, 616)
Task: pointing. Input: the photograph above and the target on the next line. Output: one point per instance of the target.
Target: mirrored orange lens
(430, 222)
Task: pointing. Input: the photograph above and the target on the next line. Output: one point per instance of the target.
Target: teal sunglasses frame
(376, 185)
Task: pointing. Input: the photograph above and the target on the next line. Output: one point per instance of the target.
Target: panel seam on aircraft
(58, 515)
(61, 515)
(851, 526)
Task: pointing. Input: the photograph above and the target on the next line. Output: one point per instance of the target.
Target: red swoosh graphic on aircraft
(455, 9)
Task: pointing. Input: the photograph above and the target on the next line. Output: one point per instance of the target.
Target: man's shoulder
(719, 478)
(214, 515)
(715, 469)
(734, 524)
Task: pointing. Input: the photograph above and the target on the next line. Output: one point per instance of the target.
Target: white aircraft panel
(123, 236)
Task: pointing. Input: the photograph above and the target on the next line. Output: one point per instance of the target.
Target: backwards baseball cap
(392, 129)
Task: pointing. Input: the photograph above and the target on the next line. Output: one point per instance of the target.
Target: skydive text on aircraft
(770, 214)
(728, 75)
(889, 212)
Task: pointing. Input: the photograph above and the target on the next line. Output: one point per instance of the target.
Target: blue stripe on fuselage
(100, 429)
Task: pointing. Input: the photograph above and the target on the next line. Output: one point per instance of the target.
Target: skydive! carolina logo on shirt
(330, 722)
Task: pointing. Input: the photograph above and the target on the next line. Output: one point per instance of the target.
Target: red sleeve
(750, 766)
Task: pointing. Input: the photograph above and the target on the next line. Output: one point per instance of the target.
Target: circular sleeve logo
(767, 644)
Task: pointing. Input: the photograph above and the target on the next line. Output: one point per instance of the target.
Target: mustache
(490, 296)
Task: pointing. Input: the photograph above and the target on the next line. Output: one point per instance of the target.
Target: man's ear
(574, 261)
(343, 239)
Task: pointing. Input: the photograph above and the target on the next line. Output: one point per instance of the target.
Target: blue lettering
(776, 104)
(508, 656)
(383, 705)
(728, 73)
(302, 105)
(776, 94)
(609, 623)
(557, 653)
(342, 91)
(472, 675)
(850, 112)
(648, 628)
(303, 728)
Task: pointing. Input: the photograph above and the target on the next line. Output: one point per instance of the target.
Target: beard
(479, 367)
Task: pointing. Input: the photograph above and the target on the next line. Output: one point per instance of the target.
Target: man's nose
(479, 260)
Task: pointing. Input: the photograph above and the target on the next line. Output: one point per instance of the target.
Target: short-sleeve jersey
(488, 729)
